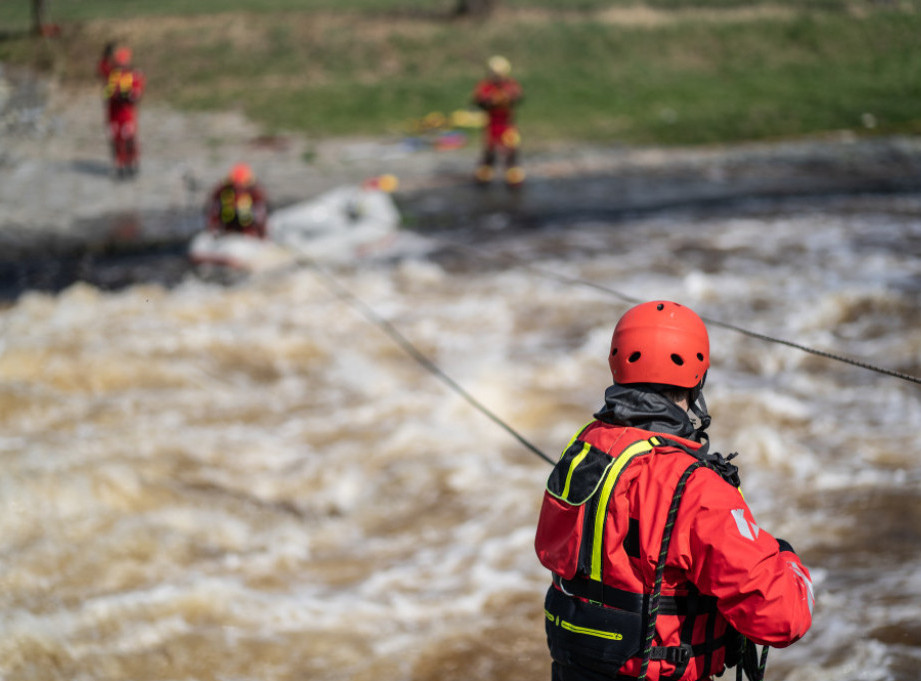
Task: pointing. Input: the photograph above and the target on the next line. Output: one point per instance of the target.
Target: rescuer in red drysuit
(604, 519)
(123, 91)
(498, 94)
(238, 204)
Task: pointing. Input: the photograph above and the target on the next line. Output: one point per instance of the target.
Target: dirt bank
(56, 179)
(55, 170)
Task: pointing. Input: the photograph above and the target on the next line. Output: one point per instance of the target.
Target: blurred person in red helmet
(498, 95)
(659, 569)
(238, 204)
(124, 87)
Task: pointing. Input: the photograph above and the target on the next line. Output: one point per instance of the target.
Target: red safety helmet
(660, 342)
(242, 175)
(122, 56)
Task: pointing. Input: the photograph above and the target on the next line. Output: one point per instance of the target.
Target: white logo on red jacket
(747, 528)
(806, 582)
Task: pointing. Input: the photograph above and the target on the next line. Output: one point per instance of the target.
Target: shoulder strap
(713, 460)
(607, 488)
(586, 475)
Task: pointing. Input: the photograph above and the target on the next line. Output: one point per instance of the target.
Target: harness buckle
(680, 655)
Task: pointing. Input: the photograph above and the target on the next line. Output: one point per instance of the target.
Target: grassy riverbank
(663, 72)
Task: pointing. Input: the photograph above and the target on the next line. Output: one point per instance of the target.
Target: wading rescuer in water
(238, 204)
(123, 90)
(498, 94)
(659, 568)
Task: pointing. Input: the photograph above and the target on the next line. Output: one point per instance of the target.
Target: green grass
(669, 72)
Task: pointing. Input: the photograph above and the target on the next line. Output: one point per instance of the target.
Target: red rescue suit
(498, 97)
(600, 530)
(104, 68)
(240, 209)
(124, 88)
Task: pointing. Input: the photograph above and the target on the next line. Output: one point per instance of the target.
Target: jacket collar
(643, 406)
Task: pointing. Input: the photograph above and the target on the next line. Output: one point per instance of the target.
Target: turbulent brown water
(254, 482)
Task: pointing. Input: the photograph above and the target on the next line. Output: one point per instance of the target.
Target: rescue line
(368, 312)
(637, 625)
(630, 300)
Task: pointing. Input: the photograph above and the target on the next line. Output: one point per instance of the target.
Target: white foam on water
(210, 466)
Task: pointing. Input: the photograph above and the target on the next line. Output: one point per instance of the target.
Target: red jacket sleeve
(213, 208)
(481, 94)
(138, 86)
(104, 68)
(765, 593)
(260, 211)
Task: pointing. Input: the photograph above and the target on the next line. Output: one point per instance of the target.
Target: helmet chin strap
(697, 410)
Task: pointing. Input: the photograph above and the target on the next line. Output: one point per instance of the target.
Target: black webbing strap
(592, 590)
(710, 635)
(589, 589)
(687, 632)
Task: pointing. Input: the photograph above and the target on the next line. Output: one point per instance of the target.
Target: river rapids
(255, 481)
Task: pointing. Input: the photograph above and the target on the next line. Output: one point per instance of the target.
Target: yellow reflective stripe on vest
(576, 460)
(569, 626)
(574, 438)
(637, 448)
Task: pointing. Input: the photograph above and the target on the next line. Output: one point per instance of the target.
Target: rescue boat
(239, 252)
(339, 226)
(344, 224)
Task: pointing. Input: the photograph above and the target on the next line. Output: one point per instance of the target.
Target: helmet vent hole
(613, 352)
(634, 357)
(700, 356)
(660, 307)
(677, 359)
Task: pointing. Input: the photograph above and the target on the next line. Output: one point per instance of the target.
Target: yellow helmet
(499, 65)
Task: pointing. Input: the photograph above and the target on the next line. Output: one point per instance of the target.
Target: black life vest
(596, 621)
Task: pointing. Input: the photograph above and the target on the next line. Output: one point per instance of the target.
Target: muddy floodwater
(254, 481)
(203, 480)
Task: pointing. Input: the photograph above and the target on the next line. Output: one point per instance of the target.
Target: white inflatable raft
(237, 252)
(340, 226)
